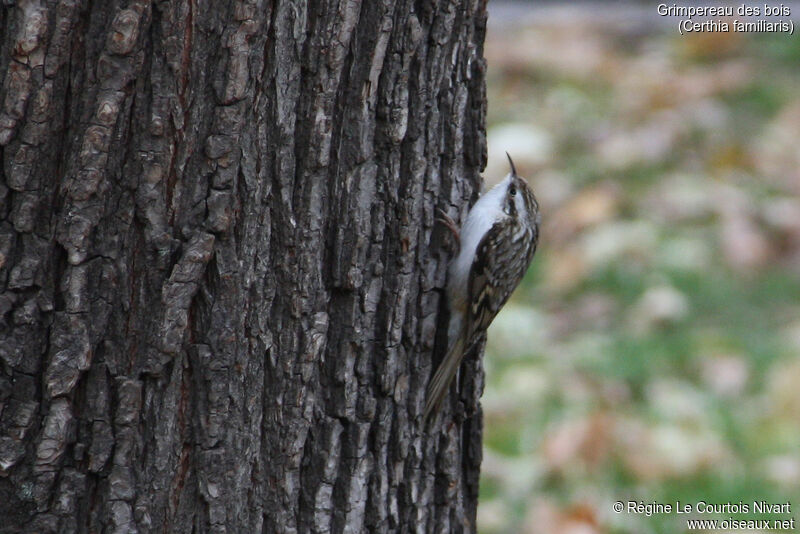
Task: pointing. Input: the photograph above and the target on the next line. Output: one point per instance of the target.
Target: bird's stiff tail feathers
(440, 383)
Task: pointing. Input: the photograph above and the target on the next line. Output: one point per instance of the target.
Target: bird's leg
(448, 221)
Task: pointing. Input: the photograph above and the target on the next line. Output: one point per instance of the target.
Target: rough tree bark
(221, 275)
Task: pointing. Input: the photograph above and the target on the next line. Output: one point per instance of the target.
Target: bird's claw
(451, 225)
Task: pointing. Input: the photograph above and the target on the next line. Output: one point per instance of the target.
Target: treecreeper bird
(498, 240)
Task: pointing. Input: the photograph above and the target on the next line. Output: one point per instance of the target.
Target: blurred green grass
(651, 351)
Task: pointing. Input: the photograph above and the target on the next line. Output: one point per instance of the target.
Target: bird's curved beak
(514, 170)
(511, 162)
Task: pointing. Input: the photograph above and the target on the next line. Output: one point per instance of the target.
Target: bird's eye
(512, 191)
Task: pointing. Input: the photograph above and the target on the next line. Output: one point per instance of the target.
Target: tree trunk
(221, 273)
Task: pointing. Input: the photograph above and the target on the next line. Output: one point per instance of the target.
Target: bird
(497, 242)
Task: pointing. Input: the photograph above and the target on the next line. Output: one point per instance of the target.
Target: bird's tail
(440, 383)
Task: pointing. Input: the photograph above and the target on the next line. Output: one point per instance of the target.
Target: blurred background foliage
(651, 352)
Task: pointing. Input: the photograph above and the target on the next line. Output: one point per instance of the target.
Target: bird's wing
(491, 279)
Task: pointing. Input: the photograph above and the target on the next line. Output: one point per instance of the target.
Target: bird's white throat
(486, 211)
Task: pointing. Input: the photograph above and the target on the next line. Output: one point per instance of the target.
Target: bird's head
(519, 199)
